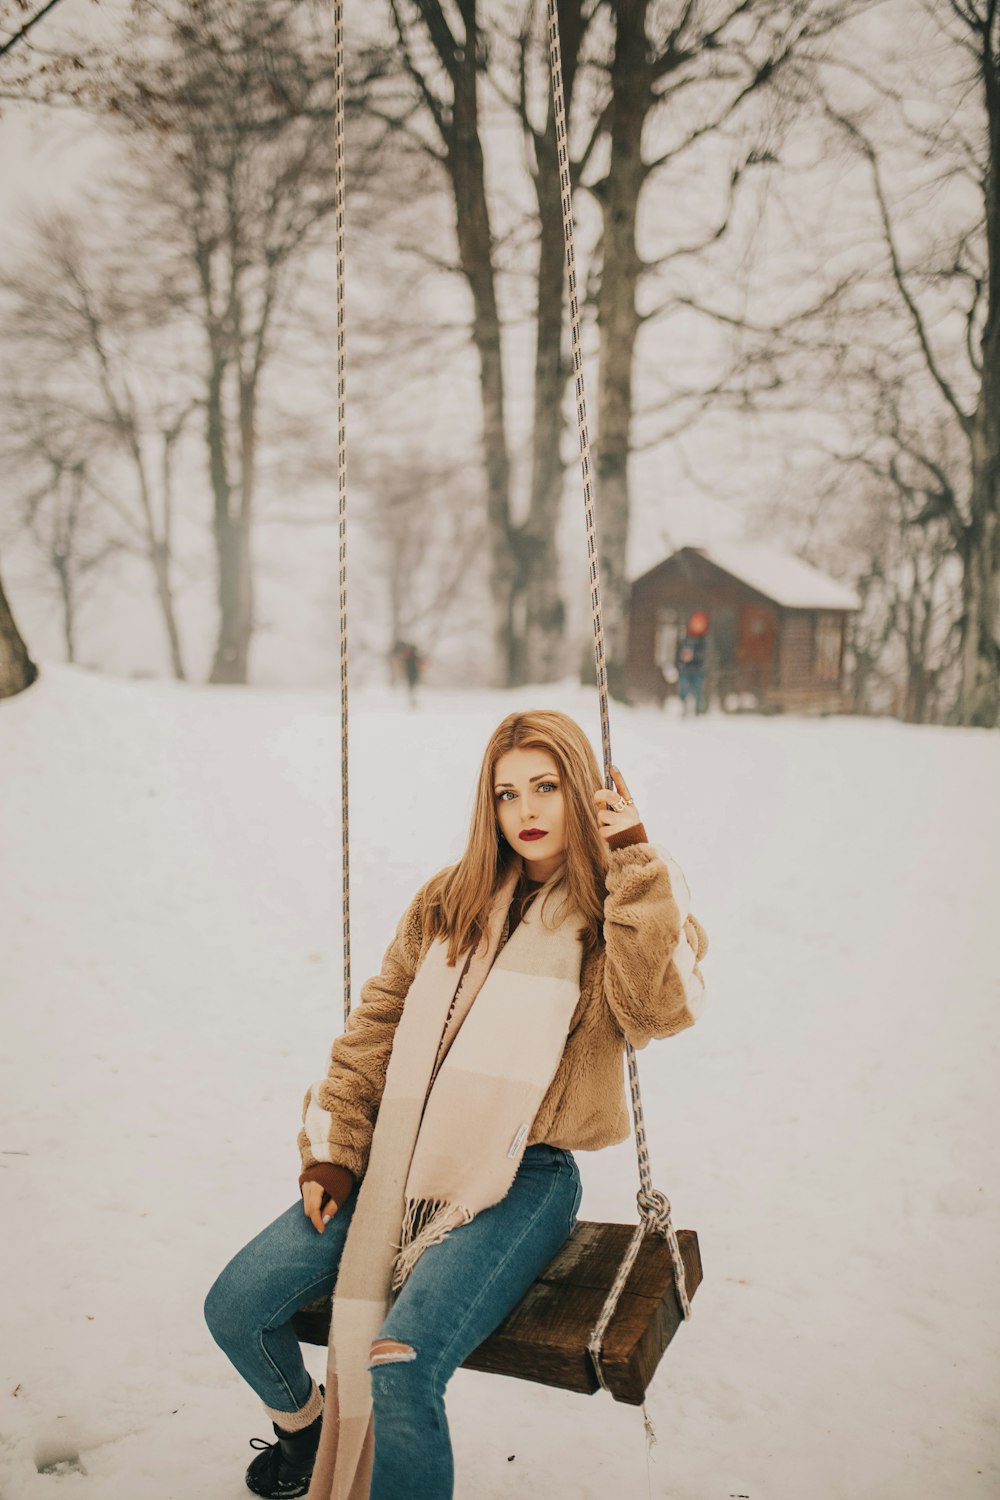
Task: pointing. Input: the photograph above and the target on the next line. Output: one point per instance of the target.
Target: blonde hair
(458, 900)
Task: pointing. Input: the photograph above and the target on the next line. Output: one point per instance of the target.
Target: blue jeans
(691, 685)
(456, 1295)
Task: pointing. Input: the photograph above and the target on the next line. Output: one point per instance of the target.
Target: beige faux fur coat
(643, 982)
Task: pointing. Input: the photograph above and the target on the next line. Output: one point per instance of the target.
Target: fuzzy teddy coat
(641, 983)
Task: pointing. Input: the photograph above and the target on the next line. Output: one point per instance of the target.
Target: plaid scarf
(422, 1178)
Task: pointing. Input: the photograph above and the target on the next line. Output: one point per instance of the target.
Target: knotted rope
(654, 1206)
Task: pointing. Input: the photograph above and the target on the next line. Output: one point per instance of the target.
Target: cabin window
(827, 652)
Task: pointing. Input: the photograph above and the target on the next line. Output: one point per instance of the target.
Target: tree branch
(438, 111)
(23, 32)
(867, 150)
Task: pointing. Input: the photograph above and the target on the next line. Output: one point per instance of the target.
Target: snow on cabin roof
(780, 576)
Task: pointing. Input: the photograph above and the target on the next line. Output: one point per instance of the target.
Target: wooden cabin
(777, 628)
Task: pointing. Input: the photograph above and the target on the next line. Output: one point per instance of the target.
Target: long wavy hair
(459, 899)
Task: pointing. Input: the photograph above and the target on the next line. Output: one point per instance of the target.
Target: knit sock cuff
(295, 1421)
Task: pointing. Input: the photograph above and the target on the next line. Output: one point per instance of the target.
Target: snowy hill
(170, 984)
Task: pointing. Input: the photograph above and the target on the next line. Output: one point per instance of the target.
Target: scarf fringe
(426, 1221)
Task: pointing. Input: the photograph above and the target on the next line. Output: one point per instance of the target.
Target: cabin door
(756, 646)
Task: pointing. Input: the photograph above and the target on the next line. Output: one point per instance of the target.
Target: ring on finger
(620, 805)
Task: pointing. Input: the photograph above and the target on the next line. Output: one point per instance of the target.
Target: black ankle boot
(283, 1469)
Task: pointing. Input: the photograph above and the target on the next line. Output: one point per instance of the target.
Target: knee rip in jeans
(390, 1352)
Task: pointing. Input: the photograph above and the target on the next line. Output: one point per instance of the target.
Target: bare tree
(911, 571)
(231, 117)
(446, 66)
(902, 350)
(69, 536)
(81, 332)
(450, 55)
(425, 552)
(856, 500)
(967, 389)
(903, 641)
(900, 347)
(539, 653)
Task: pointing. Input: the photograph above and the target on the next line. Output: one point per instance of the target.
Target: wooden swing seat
(545, 1337)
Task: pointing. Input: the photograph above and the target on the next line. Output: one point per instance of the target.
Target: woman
(437, 1175)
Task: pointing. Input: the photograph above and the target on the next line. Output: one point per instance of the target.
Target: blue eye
(543, 786)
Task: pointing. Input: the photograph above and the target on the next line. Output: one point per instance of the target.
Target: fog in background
(811, 288)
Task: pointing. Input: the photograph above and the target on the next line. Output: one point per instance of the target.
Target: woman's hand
(615, 810)
(312, 1205)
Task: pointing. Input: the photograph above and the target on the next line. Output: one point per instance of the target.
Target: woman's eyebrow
(503, 786)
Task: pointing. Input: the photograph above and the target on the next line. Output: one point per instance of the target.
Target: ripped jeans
(457, 1294)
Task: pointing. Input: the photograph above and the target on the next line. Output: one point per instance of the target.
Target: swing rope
(654, 1206)
(338, 219)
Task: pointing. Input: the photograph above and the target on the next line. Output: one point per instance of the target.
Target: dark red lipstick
(534, 833)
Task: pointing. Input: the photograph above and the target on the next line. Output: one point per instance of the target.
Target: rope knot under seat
(655, 1213)
(654, 1209)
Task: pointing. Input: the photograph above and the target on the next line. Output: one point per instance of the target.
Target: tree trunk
(979, 694)
(160, 561)
(162, 552)
(159, 552)
(232, 651)
(475, 245)
(232, 547)
(922, 671)
(536, 648)
(618, 323)
(17, 670)
(68, 607)
(539, 655)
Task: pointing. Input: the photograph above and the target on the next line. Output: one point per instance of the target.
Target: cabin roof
(778, 575)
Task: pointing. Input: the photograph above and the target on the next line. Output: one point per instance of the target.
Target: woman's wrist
(336, 1181)
(634, 835)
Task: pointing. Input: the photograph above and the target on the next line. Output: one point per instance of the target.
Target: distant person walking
(691, 651)
(407, 666)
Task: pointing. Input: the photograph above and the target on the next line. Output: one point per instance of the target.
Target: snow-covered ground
(170, 977)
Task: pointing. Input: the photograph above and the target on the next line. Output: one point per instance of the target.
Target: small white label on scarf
(515, 1144)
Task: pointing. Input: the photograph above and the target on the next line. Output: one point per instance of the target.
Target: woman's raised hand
(615, 810)
(312, 1205)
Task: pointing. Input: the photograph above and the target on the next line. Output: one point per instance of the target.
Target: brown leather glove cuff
(335, 1181)
(636, 835)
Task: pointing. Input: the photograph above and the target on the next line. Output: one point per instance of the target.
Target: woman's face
(531, 812)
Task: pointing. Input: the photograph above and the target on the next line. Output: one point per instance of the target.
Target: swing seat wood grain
(545, 1337)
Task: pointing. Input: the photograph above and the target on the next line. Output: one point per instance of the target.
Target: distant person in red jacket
(691, 651)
